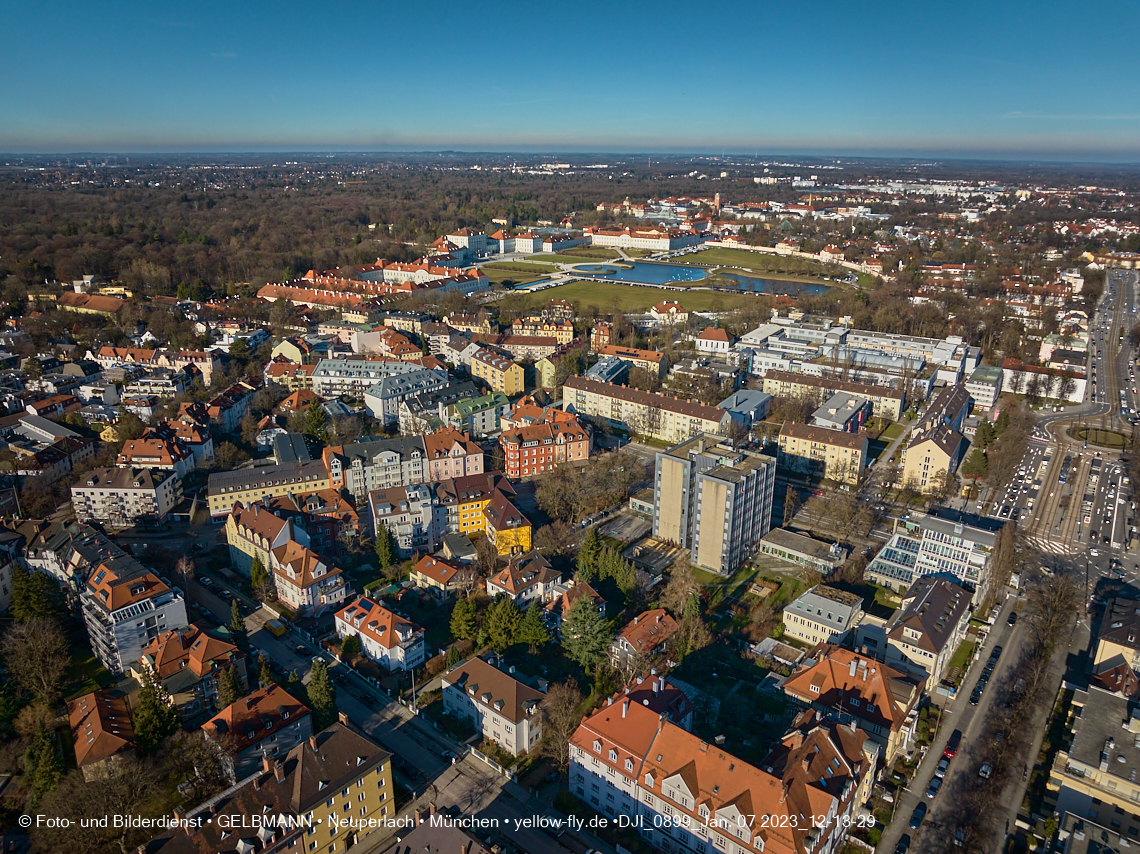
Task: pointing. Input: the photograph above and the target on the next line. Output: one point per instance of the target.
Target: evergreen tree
(588, 555)
(322, 696)
(463, 625)
(350, 648)
(453, 655)
(532, 630)
(229, 687)
(43, 767)
(296, 687)
(259, 579)
(985, 434)
(316, 422)
(153, 720)
(384, 549)
(237, 628)
(503, 623)
(976, 465)
(35, 596)
(586, 634)
(625, 577)
(264, 673)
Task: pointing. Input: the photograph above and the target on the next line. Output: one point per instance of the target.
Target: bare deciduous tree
(36, 654)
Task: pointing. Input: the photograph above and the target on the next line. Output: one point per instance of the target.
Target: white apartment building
(334, 377)
(691, 796)
(125, 606)
(122, 497)
(388, 639)
(383, 398)
(506, 710)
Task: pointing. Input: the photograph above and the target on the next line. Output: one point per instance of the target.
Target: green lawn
(636, 298)
(497, 277)
(579, 253)
(1102, 438)
(892, 432)
(84, 675)
(521, 267)
(759, 262)
(961, 660)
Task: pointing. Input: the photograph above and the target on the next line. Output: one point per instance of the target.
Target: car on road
(205, 582)
(449, 756)
(943, 767)
(902, 848)
(300, 649)
(368, 700)
(934, 786)
(917, 816)
(1012, 618)
(952, 744)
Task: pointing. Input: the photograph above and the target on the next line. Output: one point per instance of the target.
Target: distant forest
(193, 228)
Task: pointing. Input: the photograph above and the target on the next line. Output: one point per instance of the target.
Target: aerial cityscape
(417, 459)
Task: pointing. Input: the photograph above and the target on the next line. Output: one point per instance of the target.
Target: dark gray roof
(1105, 736)
(290, 448)
(933, 607)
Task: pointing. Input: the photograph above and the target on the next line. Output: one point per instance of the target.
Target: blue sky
(1003, 79)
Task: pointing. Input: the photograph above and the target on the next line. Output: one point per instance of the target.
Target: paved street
(957, 714)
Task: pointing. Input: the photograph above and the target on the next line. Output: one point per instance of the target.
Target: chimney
(313, 742)
(343, 718)
(418, 815)
(279, 773)
(624, 707)
(655, 689)
(267, 763)
(431, 808)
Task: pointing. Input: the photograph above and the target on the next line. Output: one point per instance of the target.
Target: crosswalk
(1048, 546)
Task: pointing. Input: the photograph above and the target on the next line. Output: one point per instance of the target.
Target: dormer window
(649, 781)
(628, 764)
(613, 755)
(597, 746)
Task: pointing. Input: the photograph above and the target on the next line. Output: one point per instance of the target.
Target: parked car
(1012, 618)
(952, 744)
(943, 766)
(985, 771)
(934, 786)
(903, 845)
(918, 815)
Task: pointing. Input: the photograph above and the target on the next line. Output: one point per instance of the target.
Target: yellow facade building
(819, 452)
(499, 372)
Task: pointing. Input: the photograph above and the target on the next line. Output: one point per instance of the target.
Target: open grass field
(635, 298)
(603, 253)
(576, 256)
(763, 264)
(512, 277)
(521, 267)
